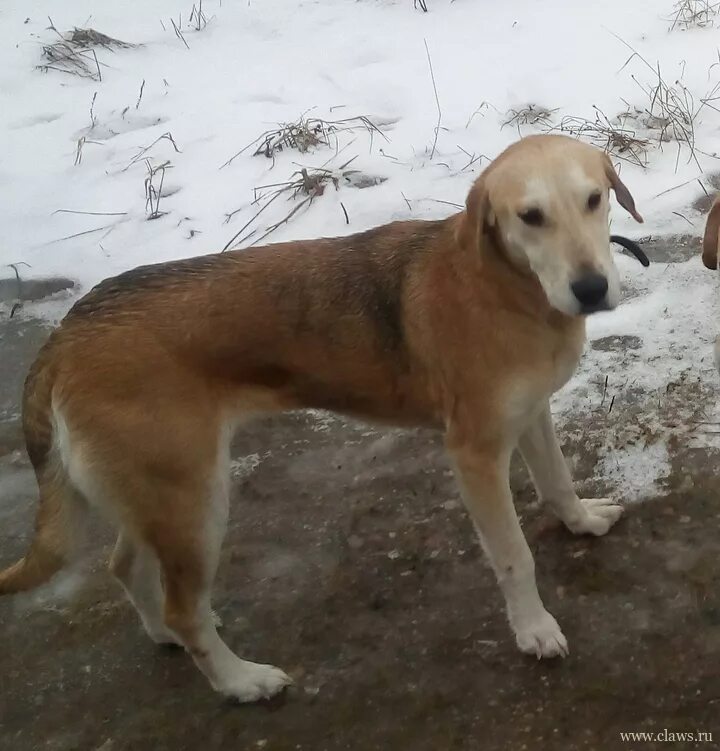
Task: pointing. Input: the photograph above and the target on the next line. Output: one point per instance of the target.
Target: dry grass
(480, 110)
(143, 151)
(74, 52)
(304, 184)
(17, 305)
(437, 100)
(92, 38)
(473, 158)
(613, 138)
(668, 116)
(712, 98)
(305, 134)
(693, 14)
(153, 188)
(80, 145)
(672, 110)
(531, 114)
(198, 19)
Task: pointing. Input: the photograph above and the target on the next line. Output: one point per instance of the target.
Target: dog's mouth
(632, 246)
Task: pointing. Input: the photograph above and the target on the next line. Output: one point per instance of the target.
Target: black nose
(590, 289)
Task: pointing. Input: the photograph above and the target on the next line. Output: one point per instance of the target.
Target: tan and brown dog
(468, 324)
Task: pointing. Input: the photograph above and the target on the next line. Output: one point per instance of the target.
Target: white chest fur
(529, 391)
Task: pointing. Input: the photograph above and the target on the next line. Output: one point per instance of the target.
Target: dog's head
(545, 202)
(711, 239)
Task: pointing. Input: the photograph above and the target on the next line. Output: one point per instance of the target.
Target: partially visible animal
(711, 246)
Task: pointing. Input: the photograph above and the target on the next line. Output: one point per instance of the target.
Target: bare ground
(350, 563)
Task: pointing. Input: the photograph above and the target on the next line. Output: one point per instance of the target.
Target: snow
(620, 470)
(244, 466)
(262, 62)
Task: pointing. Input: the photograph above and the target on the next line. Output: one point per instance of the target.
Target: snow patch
(244, 466)
(635, 472)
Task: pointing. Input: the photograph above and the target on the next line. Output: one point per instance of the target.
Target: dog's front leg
(541, 451)
(483, 475)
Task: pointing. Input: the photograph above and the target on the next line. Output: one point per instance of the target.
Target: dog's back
(263, 318)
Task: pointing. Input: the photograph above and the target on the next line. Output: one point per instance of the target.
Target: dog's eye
(532, 217)
(594, 200)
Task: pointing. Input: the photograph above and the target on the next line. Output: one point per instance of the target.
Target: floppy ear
(711, 237)
(621, 192)
(477, 216)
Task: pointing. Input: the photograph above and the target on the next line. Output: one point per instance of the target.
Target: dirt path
(351, 563)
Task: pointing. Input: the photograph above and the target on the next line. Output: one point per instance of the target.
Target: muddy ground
(350, 562)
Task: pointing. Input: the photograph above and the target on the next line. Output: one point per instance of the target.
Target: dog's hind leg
(188, 548)
(166, 481)
(137, 568)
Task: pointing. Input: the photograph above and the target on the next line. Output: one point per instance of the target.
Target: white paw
(541, 636)
(597, 516)
(216, 619)
(253, 682)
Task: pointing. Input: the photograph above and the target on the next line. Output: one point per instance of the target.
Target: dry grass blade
(79, 151)
(305, 134)
(17, 305)
(444, 203)
(178, 33)
(712, 98)
(164, 137)
(153, 188)
(90, 213)
(81, 145)
(140, 95)
(437, 99)
(93, 119)
(480, 110)
(84, 232)
(472, 157)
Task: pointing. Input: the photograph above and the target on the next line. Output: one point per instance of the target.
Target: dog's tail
(59, 502)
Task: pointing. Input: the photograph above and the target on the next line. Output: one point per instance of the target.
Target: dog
(467, 324)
